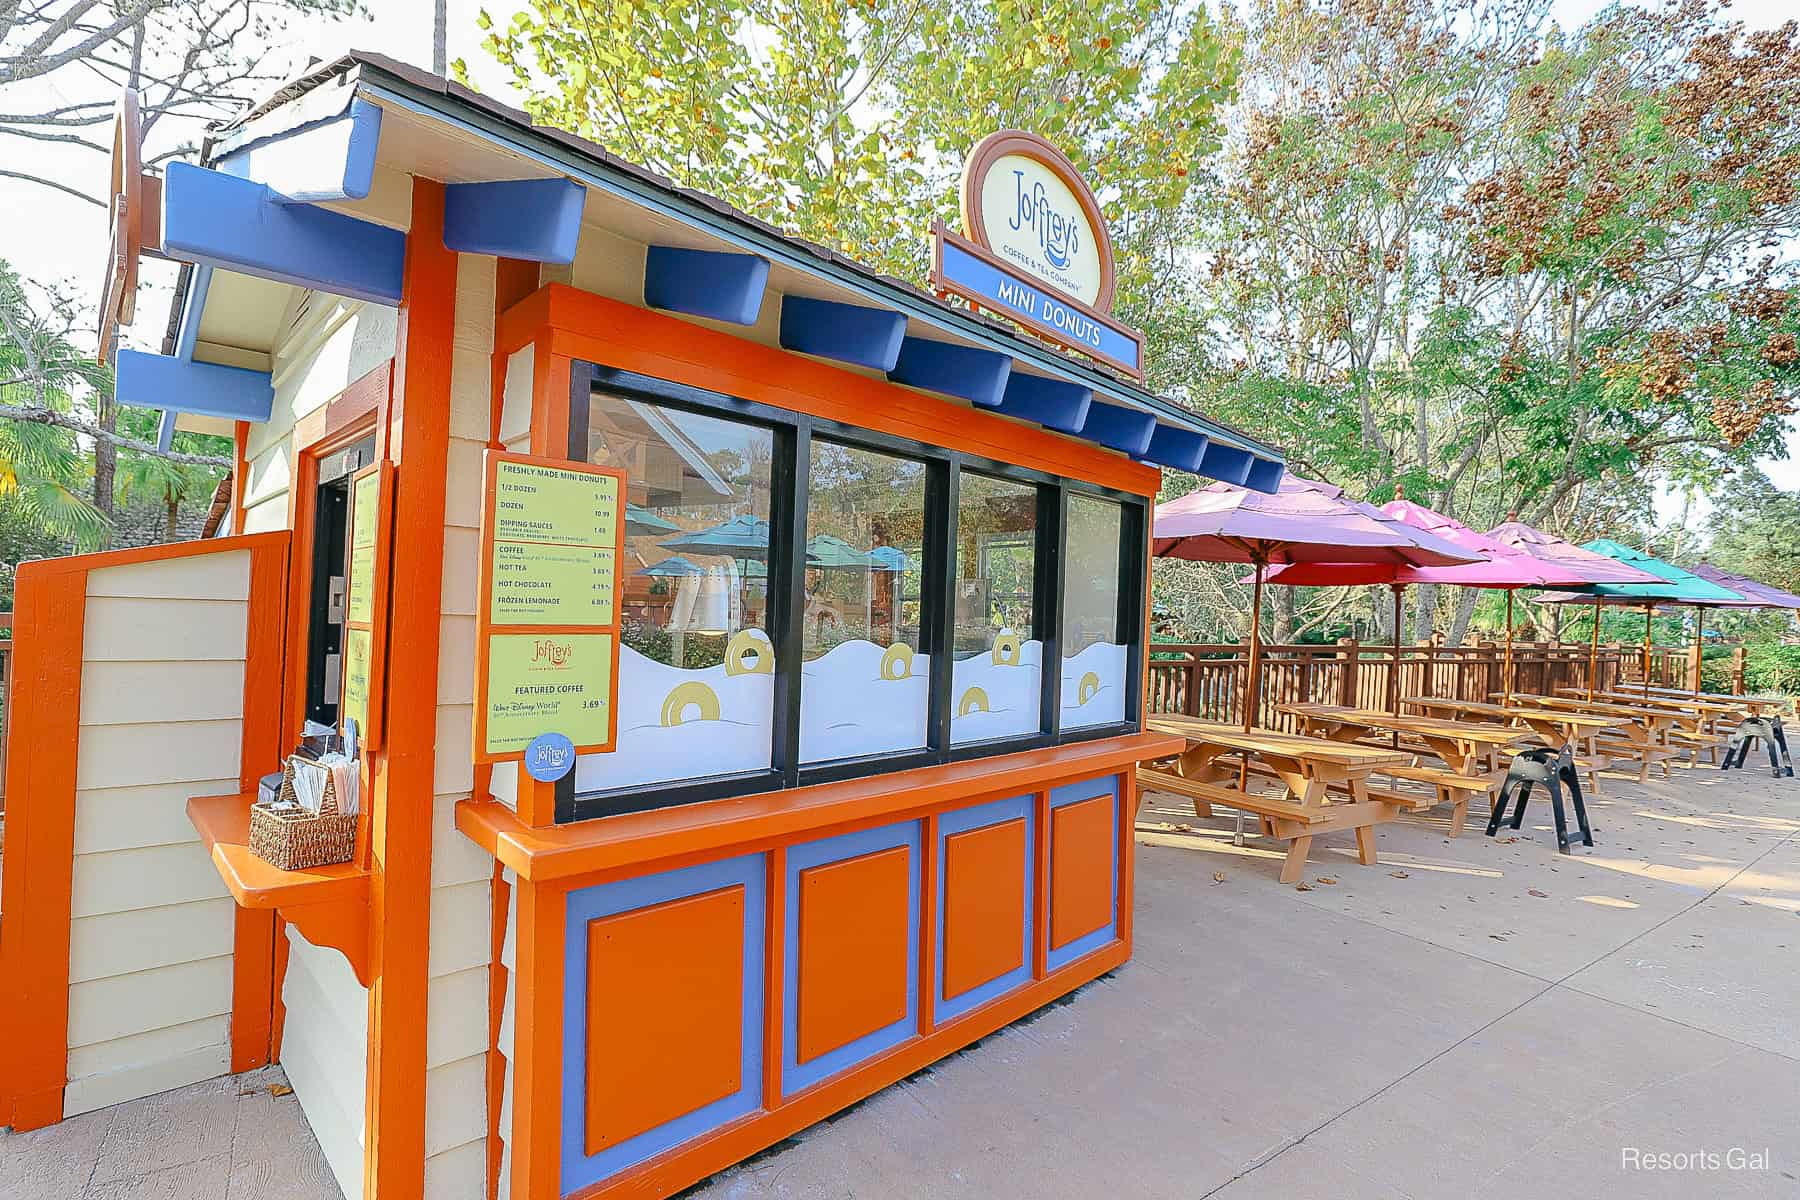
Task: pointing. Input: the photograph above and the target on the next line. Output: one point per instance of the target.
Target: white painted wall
(162, 688)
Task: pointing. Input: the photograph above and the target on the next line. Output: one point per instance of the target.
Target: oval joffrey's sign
(1023, 200)
(1036, 250)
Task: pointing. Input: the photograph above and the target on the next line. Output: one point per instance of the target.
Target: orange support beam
(400, 812)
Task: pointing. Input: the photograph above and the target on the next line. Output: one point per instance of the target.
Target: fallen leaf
(1508, 840)
(280, 1089)
(1184, 828)
(1218, 877)
(1399, 874)
(1303, 887)
(1326, 879)
(1535, 892)
(1497, 937)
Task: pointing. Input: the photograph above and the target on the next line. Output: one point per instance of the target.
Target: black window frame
(790, 469)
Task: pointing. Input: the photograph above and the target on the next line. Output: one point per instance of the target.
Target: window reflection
(865, 685)
(996, 676)
(1093, 644)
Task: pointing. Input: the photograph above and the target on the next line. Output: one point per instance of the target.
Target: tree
(163, 480)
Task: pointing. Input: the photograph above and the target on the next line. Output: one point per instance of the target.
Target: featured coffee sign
(547, 631)
(1035, 249)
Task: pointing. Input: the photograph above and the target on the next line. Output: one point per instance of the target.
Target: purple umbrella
(1301, 522)
(1759, 594)
(1504, 567)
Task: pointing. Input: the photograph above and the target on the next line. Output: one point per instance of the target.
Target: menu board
(539, 683)
(552, 538)
(365, 506)
(357, 653)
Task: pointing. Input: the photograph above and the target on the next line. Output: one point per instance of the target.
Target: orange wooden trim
(278, 1019)
(665, 838)
(775, 978)
(537, 801)
(514, 279)
(930, 864)
(518, 325)
(253, 937)
(240, 474)
(1126, 819)
(549, 402)
(49, 606)
(302, 513)
(401, 797)
(714, 1152)
(496, 1053)
(81, 564)
(1040, 892)
(485, 627)
(584, 325)
(537, 1042)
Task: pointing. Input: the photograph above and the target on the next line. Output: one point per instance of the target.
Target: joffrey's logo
(1055, 233)
(549, 650)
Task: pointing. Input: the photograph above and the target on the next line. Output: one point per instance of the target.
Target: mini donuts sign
(1035, 249)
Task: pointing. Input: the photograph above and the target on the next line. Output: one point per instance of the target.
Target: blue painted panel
(852, 333)
(579, 1169)
(1265, 475)
(329, 159)
(1007, 293)
(215, 220)
(1050, 402)
(978, 376)
(165, 429)
(538, 220)
(1071, 793)
(979, 817)
(796, 1075)
(199, 284)
(175, 385)
(1225, 463)
(1178, 448)
(706, 283)
(1121, 428)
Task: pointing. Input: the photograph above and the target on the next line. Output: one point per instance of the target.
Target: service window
(997, 674)
(1094, 652)
(696, 661)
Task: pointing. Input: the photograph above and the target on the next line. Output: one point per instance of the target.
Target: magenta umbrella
(1597, 567)
(1503, 567)
(1303, 521)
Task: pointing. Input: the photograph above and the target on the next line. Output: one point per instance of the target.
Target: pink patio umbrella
(1503, 567)
(1598, 569)
(1302, 521)
(1756, 592)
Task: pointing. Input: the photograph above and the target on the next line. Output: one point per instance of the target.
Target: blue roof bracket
(706, 283)
(1228, 464)
(1265, 475)
(852, 333)
(177, 385)
(538, 220)
(978, 376)
(329, 159)
(1052, 403)
(1181, 449)
(217, 220)
(1113, 425)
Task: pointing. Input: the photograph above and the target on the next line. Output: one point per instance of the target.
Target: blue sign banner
(549, 757)
(971, 275)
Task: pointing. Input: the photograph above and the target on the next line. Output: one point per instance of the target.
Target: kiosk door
(326, 604)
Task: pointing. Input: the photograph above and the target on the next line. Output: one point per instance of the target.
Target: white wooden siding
(324, 1050)
(150, 937)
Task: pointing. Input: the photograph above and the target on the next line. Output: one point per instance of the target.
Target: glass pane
(996, 674)
(696, 665)
(1093, 644)
(865, 686)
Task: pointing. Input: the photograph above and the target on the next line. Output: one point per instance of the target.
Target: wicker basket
(293, 839)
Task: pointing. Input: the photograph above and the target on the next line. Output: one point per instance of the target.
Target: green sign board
(365, 507)
(534, 583)
(538, 682)
(535, 503)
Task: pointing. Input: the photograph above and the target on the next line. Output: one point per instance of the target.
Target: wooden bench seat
(1230, 797)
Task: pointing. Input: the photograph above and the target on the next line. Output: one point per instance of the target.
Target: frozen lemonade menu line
(550, 619)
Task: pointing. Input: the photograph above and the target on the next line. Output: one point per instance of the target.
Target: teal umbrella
(641, 522)
(890, 558)
(740, 537)
(827, 550)
(1676, 587)
(673, 566)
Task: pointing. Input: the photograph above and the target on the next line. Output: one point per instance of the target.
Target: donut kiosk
(740, 653)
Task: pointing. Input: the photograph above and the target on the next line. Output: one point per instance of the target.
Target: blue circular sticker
(549, 757)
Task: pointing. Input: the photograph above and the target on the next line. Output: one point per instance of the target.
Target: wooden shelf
(329, 905)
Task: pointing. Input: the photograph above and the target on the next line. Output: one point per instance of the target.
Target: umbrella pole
(1253, 669)
(1399, 591)
(1699, 633)
(1594, 652)
(1649, 611)
(1506, 671)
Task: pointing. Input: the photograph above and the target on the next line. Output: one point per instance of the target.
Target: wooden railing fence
(1208, 680)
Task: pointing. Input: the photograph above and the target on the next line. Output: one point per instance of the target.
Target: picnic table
(1466, 748)
(1309, 769)
(1558, 727)
(1718, 704)
(1644, 729)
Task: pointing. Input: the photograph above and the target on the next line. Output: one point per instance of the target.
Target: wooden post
(1190, 693)
(1506, 671)
(1594, 654)
(1739, 655)
(1253, 669)
(1699, 633)
(1349, 654)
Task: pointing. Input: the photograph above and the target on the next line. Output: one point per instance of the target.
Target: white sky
(54, 238)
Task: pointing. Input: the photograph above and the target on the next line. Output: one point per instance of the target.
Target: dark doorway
(331, 544)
